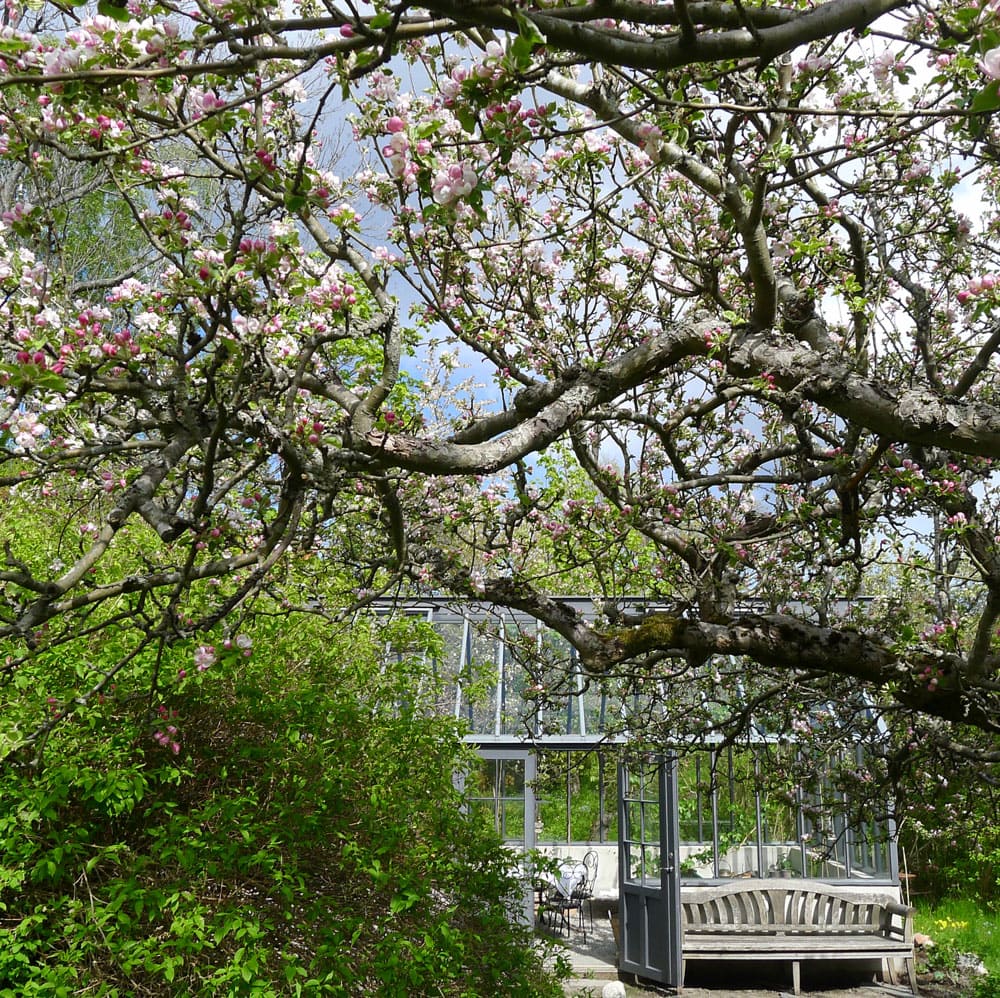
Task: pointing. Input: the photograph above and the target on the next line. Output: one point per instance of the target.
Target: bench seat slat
(744, 929)
(794, 945)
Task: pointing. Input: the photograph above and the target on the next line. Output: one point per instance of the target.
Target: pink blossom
(885, 64)
(454, 182)
(452, 87)
(398, 145)
(990, 63)
(206, 101)
(204, 657)
(649, 132)
(166, 739)
(27, 430)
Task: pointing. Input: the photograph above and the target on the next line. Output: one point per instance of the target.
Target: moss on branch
(657, 632)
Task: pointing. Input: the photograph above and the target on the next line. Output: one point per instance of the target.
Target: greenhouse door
(649, 875)
(500, 789)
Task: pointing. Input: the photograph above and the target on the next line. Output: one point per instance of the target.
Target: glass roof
(507, 676)
(510, 678)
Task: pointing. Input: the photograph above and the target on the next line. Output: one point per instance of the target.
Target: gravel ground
(929, 988)
(744, 989)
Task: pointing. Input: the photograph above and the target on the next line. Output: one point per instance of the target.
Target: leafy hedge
(296, 834)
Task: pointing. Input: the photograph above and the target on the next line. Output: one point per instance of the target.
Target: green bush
(949, 827)
(294, 833)
(986, 987)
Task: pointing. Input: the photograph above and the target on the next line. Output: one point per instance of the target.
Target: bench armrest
(891, 911)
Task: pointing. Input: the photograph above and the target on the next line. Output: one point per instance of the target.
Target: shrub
(296, 834)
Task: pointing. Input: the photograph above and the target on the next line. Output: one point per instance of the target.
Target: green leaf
(403, 902)
(528, 30)
(467, 119)
(427, 128)
(295, 202)
(677, 134)
(364, 57)
(520, 52)
(50, 380)
(112, 9)
(988, 99)
(966, 15)
(381, 20)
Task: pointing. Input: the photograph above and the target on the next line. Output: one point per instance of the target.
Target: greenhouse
(559, 775)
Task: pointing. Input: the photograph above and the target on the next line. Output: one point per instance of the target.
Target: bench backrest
(755, 908)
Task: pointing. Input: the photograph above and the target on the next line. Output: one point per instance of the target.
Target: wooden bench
(806, 920)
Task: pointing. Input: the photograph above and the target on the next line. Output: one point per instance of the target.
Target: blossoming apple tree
(694, 301)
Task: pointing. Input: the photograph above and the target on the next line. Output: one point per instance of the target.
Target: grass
(960, 926)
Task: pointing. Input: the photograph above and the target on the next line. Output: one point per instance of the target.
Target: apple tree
(695, 301)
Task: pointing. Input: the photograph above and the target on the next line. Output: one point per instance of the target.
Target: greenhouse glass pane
(518, 705)
(447, 665)
(484, 811)
(780, 826)
(609, 780)
(870, 853)
(495, 793)
(587, 823)
(694, 792)
(694, 802)
(651, 819)
(652, 864)
(482, 690)
(592, 700)
(633, 860)
(552, 804)
(484, 780)
(557, 682)
(635, 817)
(482, 787)
(512, 826)
(735, 784)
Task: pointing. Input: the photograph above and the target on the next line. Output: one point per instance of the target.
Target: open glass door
(649, 874)
(499, 791)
